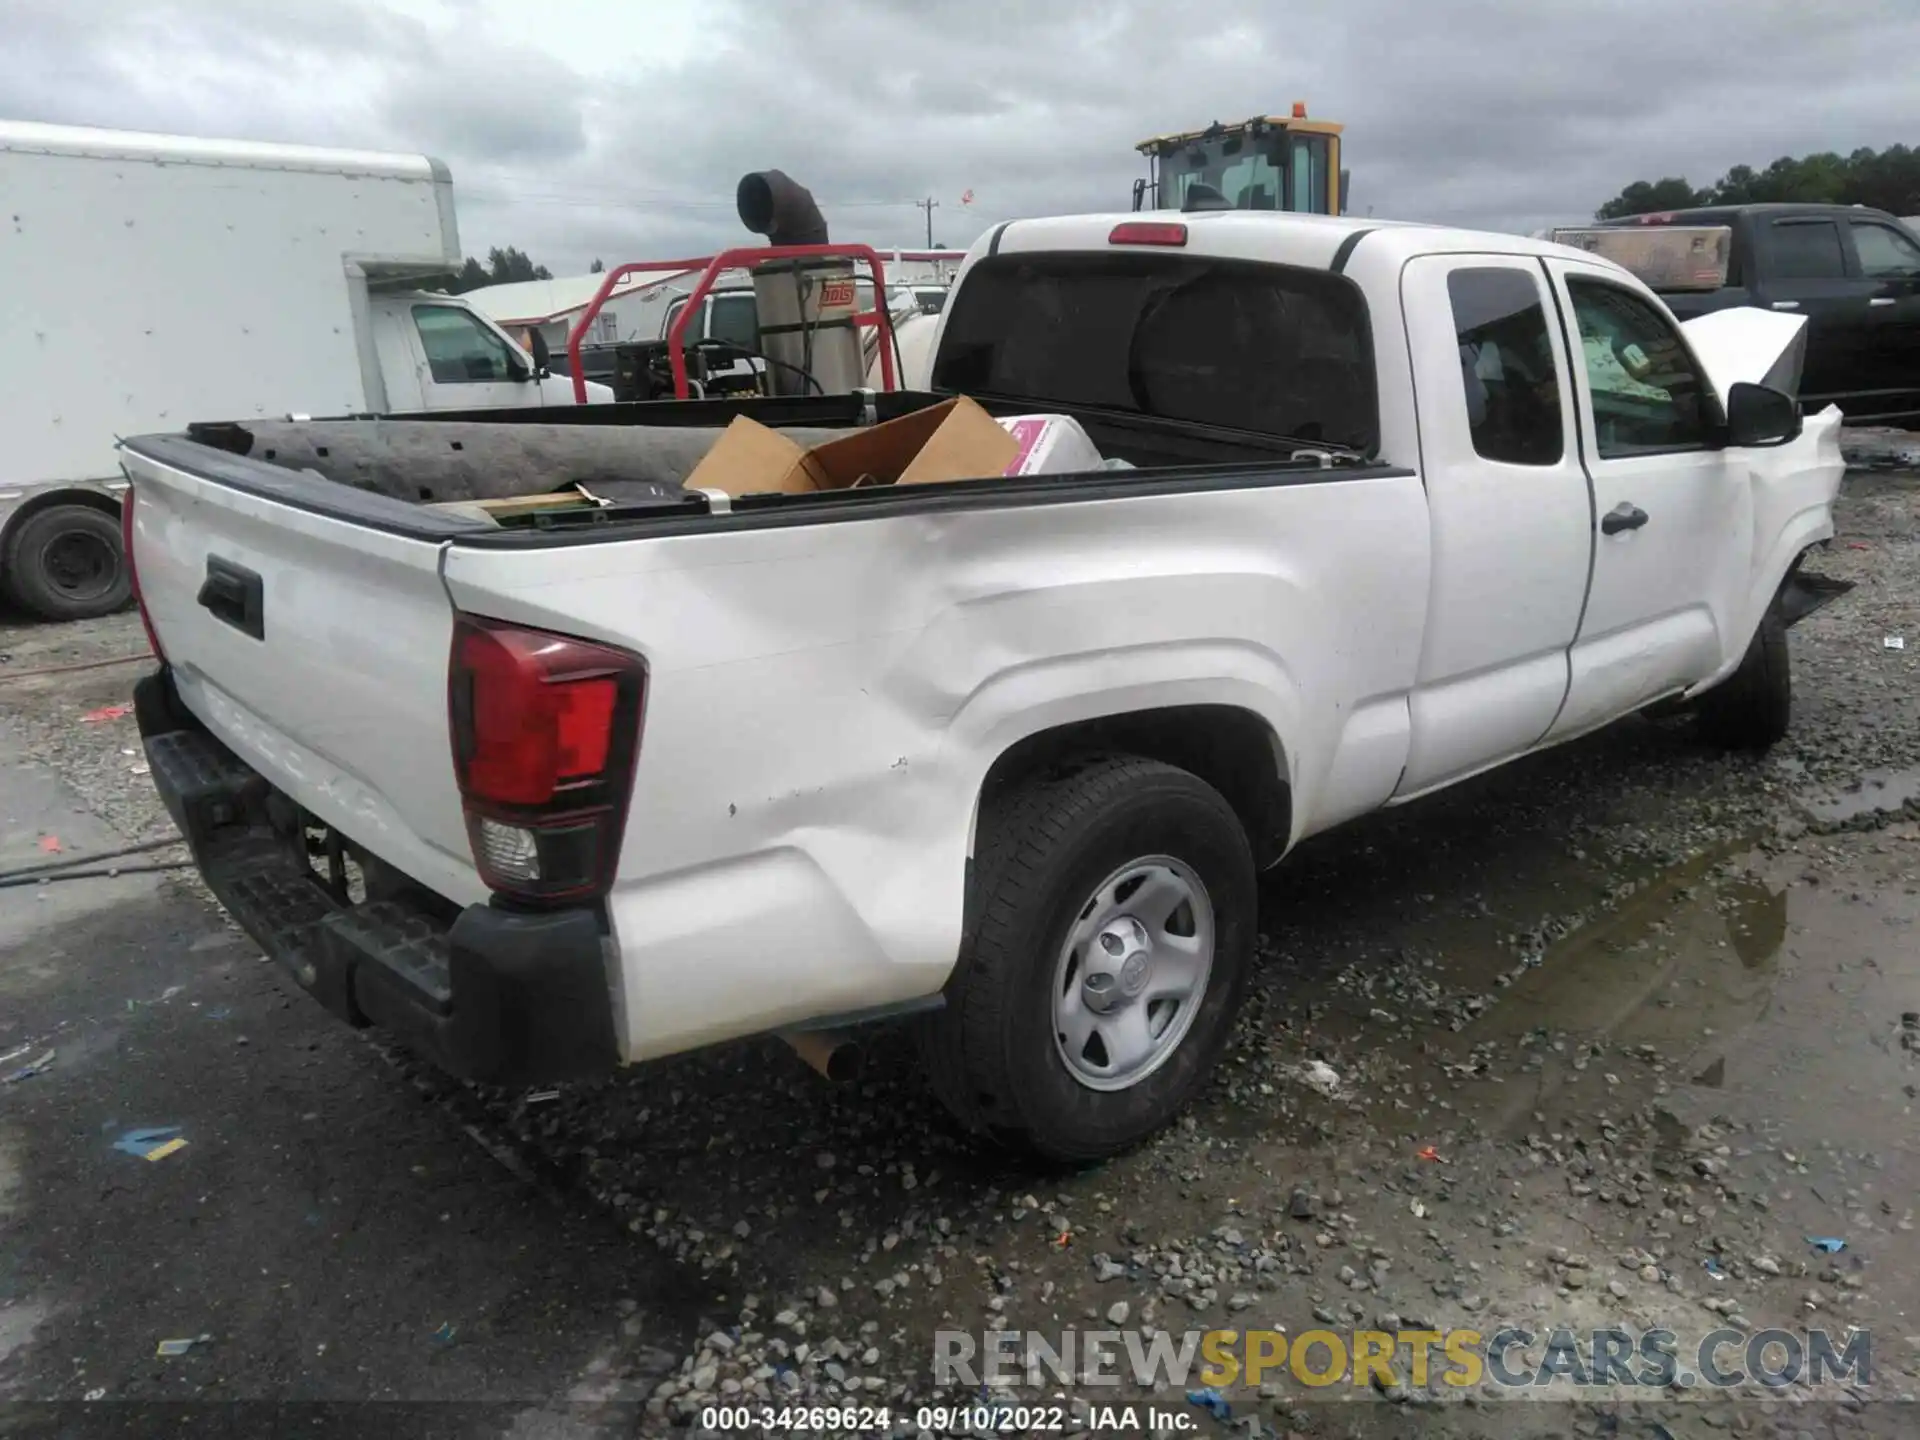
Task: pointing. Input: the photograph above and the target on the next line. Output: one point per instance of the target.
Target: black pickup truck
(1853, 272)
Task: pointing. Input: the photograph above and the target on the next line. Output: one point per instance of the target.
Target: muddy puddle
(1880, 792)
(1745, 975)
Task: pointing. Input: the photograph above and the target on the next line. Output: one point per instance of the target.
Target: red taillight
(545, 731)
(133, 570)
(1148, 232)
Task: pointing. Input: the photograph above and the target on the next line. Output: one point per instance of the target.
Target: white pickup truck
(1006, 751)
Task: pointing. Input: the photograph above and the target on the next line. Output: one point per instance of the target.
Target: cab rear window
(1271, 349)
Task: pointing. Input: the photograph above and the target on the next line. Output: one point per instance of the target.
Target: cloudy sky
(617, 128)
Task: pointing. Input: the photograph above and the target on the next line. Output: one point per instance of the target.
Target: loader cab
(1266, 163)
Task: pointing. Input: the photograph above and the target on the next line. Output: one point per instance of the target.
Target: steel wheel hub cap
(1133, 973)
(79, 564)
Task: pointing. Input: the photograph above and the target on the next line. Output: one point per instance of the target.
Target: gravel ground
(1601, 1038)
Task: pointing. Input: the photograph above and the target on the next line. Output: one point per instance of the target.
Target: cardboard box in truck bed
(954, 440)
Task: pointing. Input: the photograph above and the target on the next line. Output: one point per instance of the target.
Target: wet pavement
(1598, 1040)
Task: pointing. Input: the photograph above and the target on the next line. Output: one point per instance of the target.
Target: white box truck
(154, 279)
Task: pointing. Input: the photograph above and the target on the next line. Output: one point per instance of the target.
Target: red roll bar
(712, 267)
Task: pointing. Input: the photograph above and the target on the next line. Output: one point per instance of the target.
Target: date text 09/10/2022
(941, 1419)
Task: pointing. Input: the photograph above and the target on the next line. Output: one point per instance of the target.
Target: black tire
(66, 563)
(1752, 708)
(1043, 848)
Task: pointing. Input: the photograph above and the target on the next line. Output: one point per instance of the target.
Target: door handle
(1622, 517)
(1880, 302)
(1786, 304)
(233, 595)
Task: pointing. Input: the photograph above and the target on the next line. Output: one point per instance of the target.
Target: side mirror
(1759, 415)
(542, 355)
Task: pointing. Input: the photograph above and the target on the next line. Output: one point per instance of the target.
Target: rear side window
(1507, 371)
(1266, 348)
(1885, 253)
(1806, 250)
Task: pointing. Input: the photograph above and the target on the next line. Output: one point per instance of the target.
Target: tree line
(1886, 179)
(504, 267)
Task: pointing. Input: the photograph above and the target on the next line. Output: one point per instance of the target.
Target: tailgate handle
(232, 594)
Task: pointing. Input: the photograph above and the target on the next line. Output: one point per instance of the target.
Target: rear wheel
(1110, 934)
(65, 563)
(1752, 708)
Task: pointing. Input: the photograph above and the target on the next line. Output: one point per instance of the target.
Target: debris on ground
(50, 844)
(1831, 1244)
(1211, 1401)
(105, 713)
(162, 998)
(181, 1347)
(1320, 1076)
(29, 1070)
(154, 1142)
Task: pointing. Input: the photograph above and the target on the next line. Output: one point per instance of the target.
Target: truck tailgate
(316, 648)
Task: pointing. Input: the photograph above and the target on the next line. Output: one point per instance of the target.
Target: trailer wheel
(1751, 708)
(1109, 937)
(65, 563)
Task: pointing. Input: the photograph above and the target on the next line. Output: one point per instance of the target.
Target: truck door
(1509, 506)
(1674, 517)
(1888, 259)
(1802, 269)
(463, 365)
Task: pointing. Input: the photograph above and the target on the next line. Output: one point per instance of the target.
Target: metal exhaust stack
(832, 1054)
(805, 307)
(772, 205)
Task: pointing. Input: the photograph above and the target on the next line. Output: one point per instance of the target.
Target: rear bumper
(502, 996)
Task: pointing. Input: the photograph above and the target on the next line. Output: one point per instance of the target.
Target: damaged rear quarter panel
(825, 701)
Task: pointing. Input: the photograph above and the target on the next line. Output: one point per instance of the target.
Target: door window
(1648, 395)
(460, 350)
(1510, 384)
(1806, 250)
(736, 319)
(1885, 253)
(696, 327)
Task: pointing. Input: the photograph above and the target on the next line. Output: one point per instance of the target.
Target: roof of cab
(1301, 123)
(1285, 237)
(1721, 214)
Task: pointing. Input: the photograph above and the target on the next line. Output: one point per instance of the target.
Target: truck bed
(491, 454)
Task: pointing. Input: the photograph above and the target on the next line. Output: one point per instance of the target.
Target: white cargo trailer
(150, 280)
